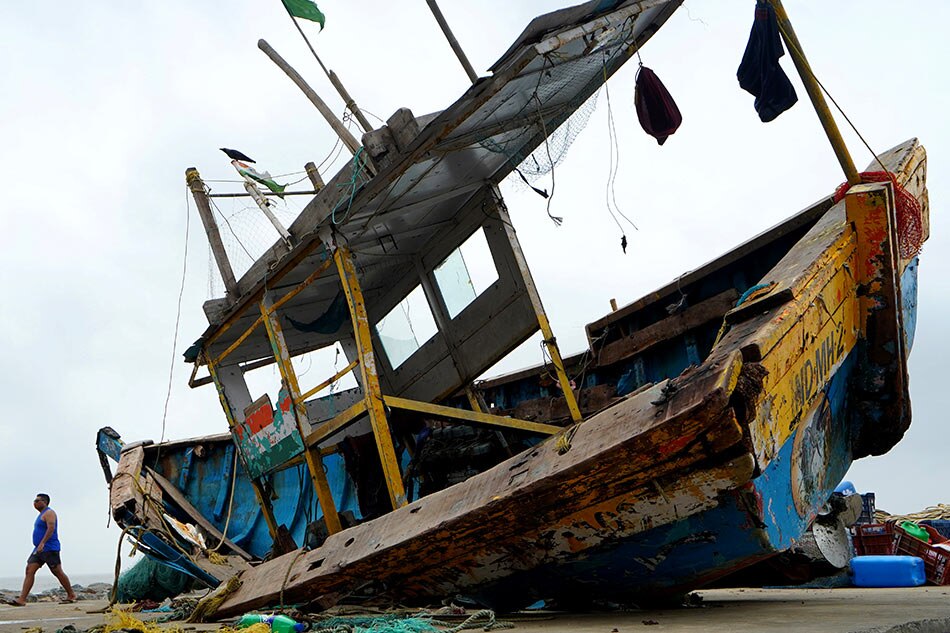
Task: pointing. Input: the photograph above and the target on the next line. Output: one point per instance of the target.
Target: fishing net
(246, 233)
(910, 224)
(421, 623)
(151, 580)
(533, 164)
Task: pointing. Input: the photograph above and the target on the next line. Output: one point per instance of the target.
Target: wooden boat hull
(670, 486)
(682, 481)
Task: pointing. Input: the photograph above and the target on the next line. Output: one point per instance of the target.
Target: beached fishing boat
(702, 430)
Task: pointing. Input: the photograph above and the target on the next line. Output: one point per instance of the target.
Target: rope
(472, 622)
(547, 148)
(753, 293)
(114, 594)
(181, 293)
(209, 605)
(283, 584)
(563, 443)
(807, 66)
(227, 522)
(939, 512)
(358, 166)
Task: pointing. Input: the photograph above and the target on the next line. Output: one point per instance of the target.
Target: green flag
(306, 9)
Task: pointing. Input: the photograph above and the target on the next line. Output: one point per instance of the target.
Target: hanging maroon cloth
(658, 114)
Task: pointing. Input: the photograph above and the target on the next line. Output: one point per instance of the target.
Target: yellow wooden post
(312, 455)
(532, 291)
(473, 400)
(372, 392)
(262, 499)
(551, 343)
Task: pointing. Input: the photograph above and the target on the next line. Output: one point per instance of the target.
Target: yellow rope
(209, 605)
(939, 512)
(120, 620)
(283, 585)
(564, 439)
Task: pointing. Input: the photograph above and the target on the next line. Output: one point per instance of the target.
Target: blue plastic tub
(888, 571)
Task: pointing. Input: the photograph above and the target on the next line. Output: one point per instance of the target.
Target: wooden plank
(830, 283)
(793, 273)
(639, 341)
(122, 493)
(800, 339)
(134, 494)
(473, 417)
(176, 495)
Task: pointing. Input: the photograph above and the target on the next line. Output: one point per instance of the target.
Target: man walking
(45, 551)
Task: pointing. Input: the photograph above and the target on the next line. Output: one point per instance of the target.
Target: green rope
(358, 165)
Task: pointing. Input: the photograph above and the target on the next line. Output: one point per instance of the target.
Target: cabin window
(406, 328)
(315, 366)
(466, 273)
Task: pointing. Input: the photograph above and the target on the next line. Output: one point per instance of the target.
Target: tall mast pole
(348, 139)
(347, 99)
(815, 93)
(452, 41)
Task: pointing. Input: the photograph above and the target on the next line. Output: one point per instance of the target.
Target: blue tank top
(39, 529)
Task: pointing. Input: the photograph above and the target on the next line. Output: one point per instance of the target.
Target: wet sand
(921, 609)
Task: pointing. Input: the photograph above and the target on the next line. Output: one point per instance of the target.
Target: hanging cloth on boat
(328, 322)
(759, 72)
(658, 114)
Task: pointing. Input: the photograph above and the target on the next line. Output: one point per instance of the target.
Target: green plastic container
(915, 530)
(285, 624)
(248, 619)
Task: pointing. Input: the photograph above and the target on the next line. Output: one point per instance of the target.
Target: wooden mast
(814, 93)
(211, 228)
(437, 12)
(348, 139)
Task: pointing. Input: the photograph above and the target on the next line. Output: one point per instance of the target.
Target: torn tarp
(759, 72)
(328, 322)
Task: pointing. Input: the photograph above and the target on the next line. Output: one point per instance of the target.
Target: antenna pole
(452, 41)
(814, 93)
(347, 99)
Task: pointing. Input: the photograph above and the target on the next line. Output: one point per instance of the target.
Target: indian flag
(306, 9)
(263, 178)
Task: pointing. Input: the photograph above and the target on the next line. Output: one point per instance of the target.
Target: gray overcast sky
(103, 105)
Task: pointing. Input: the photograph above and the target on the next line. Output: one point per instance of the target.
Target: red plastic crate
(874, 539)
(936, 560)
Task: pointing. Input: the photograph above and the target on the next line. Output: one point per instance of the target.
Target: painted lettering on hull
(814, 372)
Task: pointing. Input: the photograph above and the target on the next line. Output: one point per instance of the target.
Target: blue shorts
(45, 558)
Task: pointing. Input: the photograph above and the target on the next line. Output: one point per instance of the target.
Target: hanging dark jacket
(759, 72)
